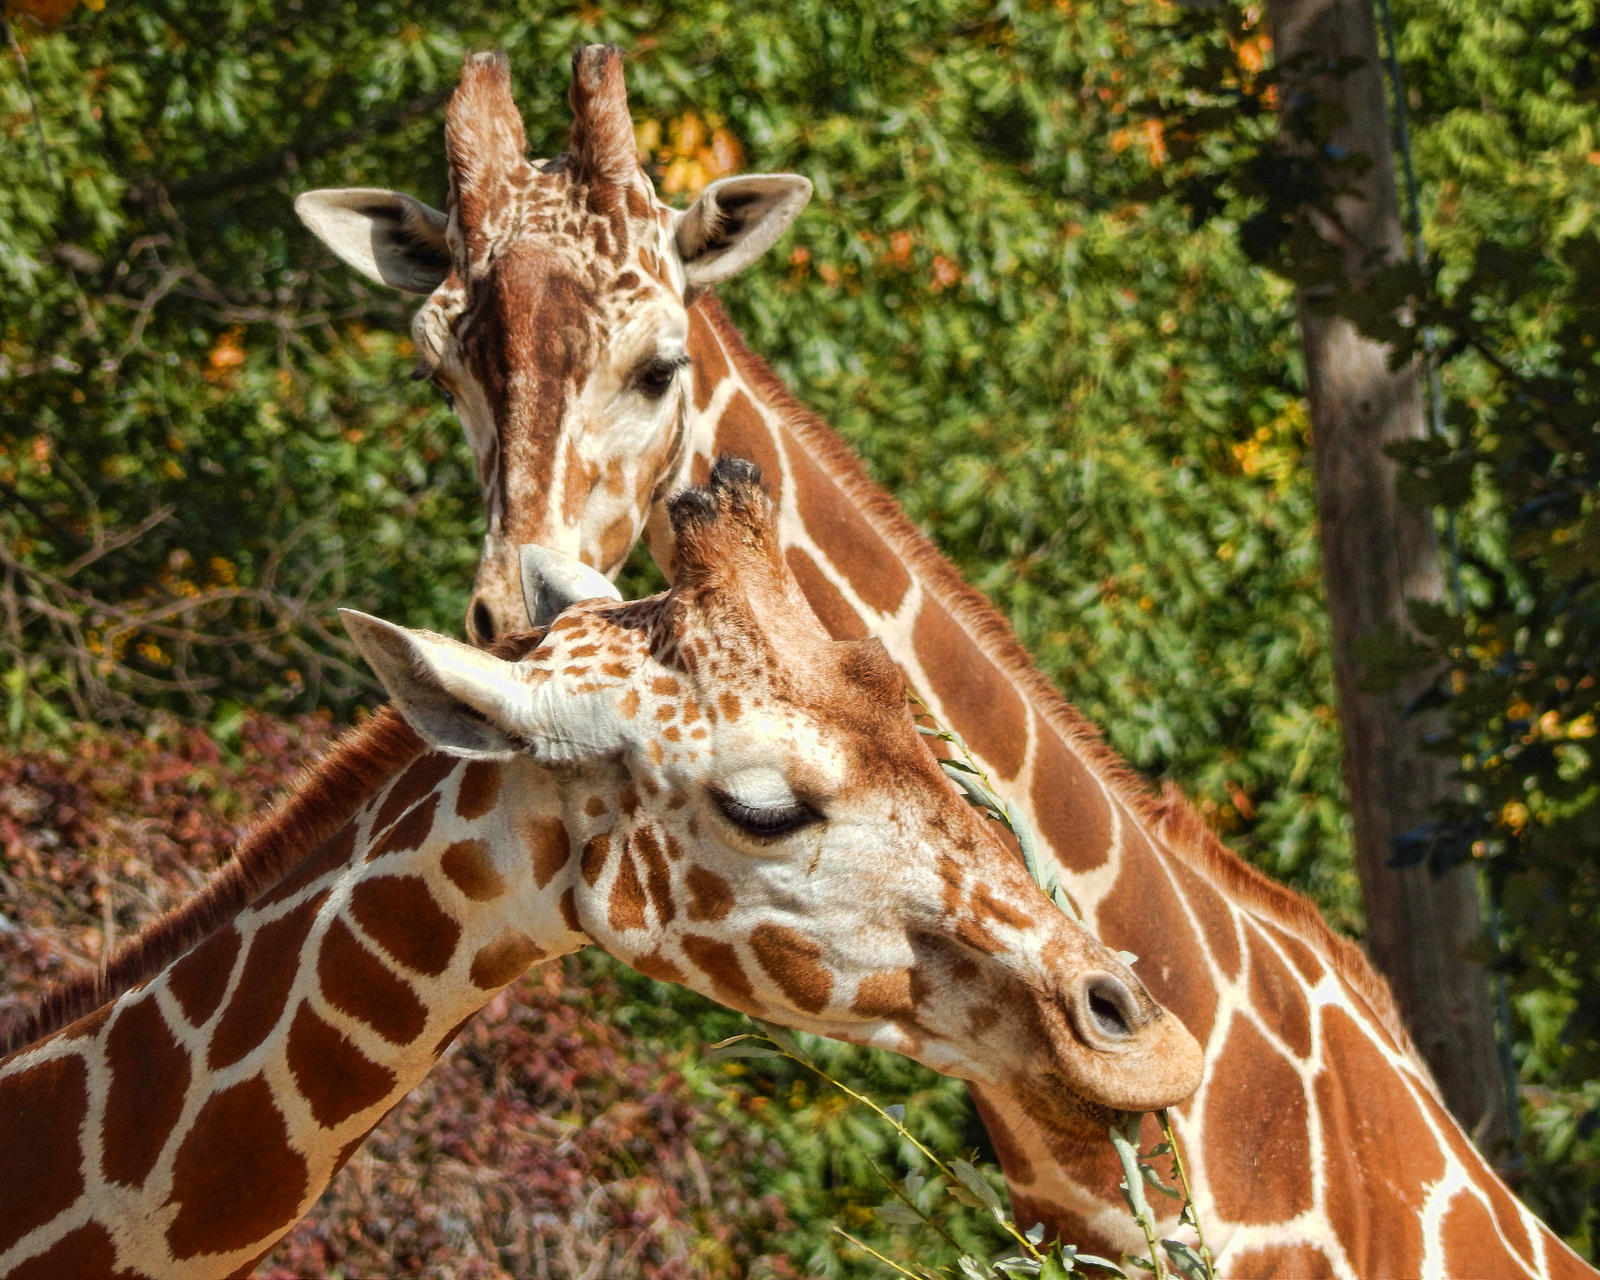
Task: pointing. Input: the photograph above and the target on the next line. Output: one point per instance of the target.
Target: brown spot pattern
(993, 908)
(616, 541)
(886, 994)
(1300, 955)
(1216, 920)
(1276, 995)
(478, 789)
(332, 1074)
(548, 849)
(85, 1254)
(200, 979)
(356, 982)
(710, 365)
(843, 534)
(236, 1179)
(595, 854)
(1365, 1141)
(504, 960)
(424, 775)
(149, 1077)
(626, 910)
(978, 700)
(263, 990)
(743, 433)
(472, 870)
(825, 599)
(794, 962)
(409, 832)
(1067, 800)
(1468, 1236)
(657, 875)
(400, 915)
(1262, 1173)
(657, 966)
(720, 962)
(41, 1112)
(710, 898)
(1274, 1262)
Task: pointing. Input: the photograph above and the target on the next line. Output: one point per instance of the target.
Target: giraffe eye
(766, 821)
(655, 376)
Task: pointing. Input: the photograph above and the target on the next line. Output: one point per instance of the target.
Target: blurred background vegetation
(1044, 287)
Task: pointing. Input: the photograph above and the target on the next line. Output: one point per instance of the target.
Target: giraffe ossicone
(702, 782)
(594, 375)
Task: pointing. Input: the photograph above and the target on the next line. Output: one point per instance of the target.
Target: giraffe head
(752, 812)
(556, 318)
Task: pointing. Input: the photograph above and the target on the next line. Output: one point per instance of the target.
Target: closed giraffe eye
(766, 821)
(654, 377)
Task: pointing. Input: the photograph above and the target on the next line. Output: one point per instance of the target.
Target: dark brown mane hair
(321, 801)
(1168, 817)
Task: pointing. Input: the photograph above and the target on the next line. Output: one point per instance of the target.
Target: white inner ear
(734, 222)
(388, 236)
(760, 787)
(552, 582)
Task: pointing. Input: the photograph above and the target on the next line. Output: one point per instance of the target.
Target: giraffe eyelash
(766, 822)
(655, 376)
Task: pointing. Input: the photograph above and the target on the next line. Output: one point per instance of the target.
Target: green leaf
(744, 1050)
(1189, 1264)
(977, 1184)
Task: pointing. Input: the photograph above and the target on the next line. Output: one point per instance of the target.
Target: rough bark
(1378, 552)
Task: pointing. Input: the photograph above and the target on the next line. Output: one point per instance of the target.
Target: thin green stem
(868, 1249)
(899, 1192)
(1005, 1222)
(1190, 1213)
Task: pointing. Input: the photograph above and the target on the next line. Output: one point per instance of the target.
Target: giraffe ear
(457, 697)
(473, 704)
(388, 237)
(734, 222)
(552, 581)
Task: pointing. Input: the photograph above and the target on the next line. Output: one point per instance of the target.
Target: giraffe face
(557, 318)
(751, 811)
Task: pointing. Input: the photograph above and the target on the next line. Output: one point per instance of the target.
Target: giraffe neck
(185, 1124)
(1310, 1078)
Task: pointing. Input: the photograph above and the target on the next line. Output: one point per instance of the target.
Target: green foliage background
(1085, 390)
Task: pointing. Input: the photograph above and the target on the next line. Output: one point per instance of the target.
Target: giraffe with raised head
(703, 783)
(567, 313)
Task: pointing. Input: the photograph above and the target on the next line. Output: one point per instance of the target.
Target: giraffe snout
(482, 629)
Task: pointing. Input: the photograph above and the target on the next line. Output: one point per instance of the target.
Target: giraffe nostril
(481, 622)
(1106, 1009)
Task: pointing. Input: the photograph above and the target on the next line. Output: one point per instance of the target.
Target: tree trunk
(1377, 552)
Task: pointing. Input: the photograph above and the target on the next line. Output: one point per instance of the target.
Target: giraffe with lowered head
(568, 314)
(702, 783)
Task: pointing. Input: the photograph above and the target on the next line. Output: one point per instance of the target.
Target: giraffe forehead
(607, 227)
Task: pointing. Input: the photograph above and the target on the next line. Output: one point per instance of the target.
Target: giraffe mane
(323, 798)
(1169, 815)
